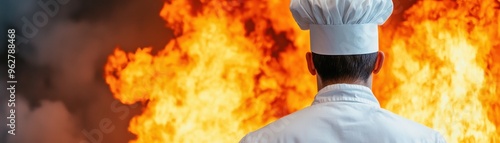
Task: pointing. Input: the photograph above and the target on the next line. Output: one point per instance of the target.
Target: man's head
(353, 69)
(344, 38)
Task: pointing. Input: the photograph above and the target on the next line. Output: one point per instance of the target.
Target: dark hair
(342, 68)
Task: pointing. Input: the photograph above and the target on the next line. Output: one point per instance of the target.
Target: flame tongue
(238, 65)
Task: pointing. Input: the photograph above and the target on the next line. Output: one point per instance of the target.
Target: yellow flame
(438, 54)
(223, 76)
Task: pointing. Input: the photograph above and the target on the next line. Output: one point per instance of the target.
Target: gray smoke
(61, 95)
(51, 123)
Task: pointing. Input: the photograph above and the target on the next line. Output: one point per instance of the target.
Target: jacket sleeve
(246, 139)
(440, 138)
(251, 138)
(243, 140)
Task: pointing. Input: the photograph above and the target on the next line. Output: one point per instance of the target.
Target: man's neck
(367, 82)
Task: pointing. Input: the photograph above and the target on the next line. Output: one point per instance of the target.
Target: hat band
(352, 39)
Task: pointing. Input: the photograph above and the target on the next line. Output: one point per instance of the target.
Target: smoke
(51, 123)
(61, 96)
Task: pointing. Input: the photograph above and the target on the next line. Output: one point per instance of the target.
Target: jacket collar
(346, 92)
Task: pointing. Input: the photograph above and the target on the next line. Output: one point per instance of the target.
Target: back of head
(344, 68)
(344, 35)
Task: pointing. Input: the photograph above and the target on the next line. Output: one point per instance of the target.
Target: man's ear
(310, 64)
(379, 62)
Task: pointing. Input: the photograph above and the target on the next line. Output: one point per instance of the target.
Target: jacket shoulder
(406, 128)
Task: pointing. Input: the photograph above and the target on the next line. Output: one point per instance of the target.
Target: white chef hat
(342, 27)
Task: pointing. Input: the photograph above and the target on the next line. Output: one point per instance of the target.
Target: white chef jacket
(344, 113)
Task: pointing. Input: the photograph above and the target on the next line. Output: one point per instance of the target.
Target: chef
(344, 56)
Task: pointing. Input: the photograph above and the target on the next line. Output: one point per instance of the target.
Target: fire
(443, 69)
(229, 70)
(237, 65)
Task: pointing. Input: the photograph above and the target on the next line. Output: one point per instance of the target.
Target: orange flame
(229, 70)
(235, 66)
